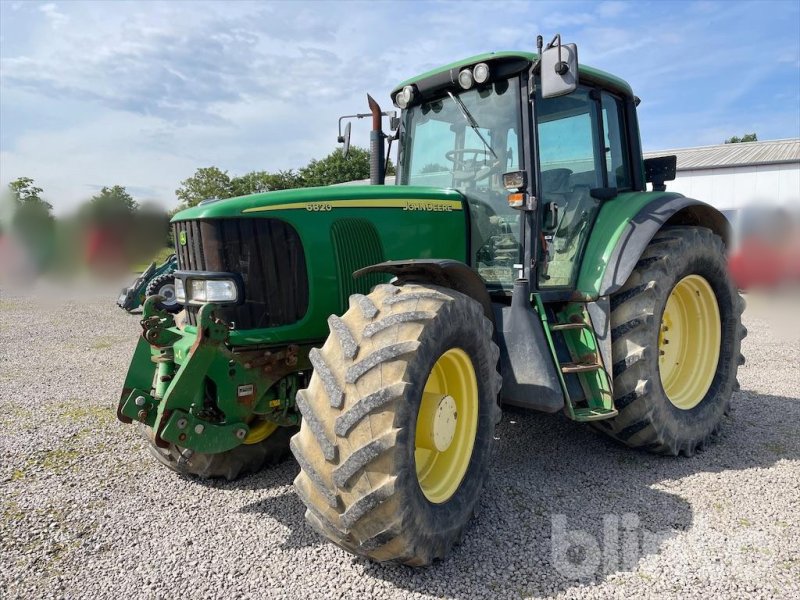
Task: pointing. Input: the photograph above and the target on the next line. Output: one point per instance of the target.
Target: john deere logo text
(182, 238)
(435, 206)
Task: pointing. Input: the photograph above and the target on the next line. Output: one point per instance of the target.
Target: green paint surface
(611, 221)
(411, 223)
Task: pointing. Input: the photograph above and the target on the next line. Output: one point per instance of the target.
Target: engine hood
(320, 199)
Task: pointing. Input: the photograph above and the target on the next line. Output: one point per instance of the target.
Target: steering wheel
(457, 157)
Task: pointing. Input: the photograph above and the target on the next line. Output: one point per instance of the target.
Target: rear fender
(612, 252)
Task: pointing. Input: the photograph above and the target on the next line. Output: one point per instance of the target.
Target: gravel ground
(85, 511)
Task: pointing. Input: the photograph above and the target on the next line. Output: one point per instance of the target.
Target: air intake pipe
(377, 168)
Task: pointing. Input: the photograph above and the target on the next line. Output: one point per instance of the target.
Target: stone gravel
(86, 513)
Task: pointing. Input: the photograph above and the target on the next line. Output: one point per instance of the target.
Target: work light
(404, 96)
(480, 73)
(465, 79)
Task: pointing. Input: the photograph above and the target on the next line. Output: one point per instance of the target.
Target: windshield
(467, 141)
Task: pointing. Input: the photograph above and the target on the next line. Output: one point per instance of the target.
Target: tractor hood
(330, 198)
(296, 250)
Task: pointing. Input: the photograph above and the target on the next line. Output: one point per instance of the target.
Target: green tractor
(377, 331)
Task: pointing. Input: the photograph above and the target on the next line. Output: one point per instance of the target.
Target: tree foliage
(24, 192)
(112, 202)
(336, 168)
(257, 182)
(433, 168)
(211, 182)
(206, 183)
(747, 137)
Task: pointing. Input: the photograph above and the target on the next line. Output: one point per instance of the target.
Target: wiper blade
(470, 120)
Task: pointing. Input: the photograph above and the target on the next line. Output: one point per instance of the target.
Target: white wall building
(732, 176)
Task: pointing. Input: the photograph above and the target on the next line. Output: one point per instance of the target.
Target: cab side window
(617, 163)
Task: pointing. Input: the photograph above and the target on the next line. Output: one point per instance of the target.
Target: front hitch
(179, 390)
(192, 390)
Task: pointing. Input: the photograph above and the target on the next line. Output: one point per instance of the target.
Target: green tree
(207, 182)
(113, 201)
(433, 168)
(747, 137)
(24, 192)
(257, 182)
(336, 168)
(33, 222)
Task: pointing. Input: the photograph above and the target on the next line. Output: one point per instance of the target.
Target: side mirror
(345, 139)
(559, 69)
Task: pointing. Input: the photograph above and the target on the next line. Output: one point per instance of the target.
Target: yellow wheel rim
(689, 342)
(447, 424)
(260, 431)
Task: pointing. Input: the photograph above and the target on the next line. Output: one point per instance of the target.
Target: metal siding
(733, 155)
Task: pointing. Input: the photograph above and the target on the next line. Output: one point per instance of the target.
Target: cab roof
(516, 62)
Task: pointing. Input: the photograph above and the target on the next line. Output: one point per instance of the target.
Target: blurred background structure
(757, 186)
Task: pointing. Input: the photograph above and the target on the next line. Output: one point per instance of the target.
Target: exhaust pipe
(377, 168)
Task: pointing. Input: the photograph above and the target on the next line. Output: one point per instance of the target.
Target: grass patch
(102, 344)
(158, 258)
(776, 448)
(744, 522)
(75, 410)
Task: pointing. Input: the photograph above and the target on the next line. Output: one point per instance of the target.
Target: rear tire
(367, 479)
(244, 459)
(164, 286)
(675, 265)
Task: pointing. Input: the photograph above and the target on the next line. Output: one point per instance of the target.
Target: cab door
(582, 162)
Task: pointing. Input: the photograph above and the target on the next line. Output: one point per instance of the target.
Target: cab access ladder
(574, 324)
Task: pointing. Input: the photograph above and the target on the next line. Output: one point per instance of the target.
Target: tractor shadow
(553, 480)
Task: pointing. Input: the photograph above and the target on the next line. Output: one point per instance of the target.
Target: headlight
(213, 290)
(515, 181)
(221, 290)
(198, 287)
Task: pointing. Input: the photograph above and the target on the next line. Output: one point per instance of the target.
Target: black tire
(647, 418)
(244, 459)
(164, 286)
(356, 446)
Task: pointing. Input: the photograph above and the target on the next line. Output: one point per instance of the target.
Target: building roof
(743, 154)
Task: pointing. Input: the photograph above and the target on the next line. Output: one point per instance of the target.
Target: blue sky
(142, 93)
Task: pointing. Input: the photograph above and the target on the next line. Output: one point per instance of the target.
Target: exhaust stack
(377, 167)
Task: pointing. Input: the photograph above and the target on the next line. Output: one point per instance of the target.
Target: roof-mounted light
(480, 73)
(404, 96)
(465, 79)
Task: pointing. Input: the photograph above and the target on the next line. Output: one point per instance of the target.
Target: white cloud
(141, 94)
(56, 18)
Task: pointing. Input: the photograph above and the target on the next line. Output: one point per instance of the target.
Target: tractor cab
(533, 192)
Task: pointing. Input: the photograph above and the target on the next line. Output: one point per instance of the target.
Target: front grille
(267, 253)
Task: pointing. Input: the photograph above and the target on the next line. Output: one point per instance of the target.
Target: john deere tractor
(377, 331)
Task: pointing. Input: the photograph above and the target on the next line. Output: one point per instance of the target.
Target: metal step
(566, 326)
(579, 367)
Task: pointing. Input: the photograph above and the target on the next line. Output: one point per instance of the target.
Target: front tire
(676, 334)
(235, 463)
(398, 423)
(164, 286)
